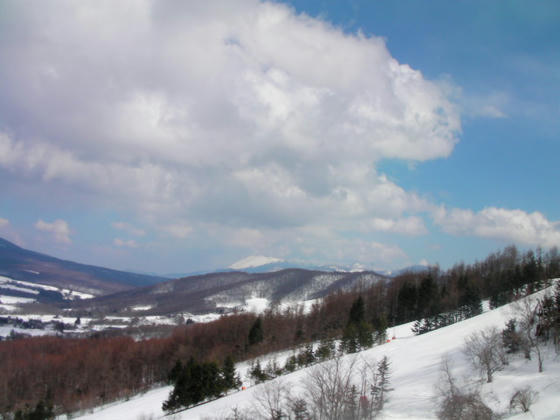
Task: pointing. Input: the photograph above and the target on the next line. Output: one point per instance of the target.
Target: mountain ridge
(23, 264)
(225, 291)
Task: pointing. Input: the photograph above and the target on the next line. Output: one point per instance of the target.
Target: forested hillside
(72, 374)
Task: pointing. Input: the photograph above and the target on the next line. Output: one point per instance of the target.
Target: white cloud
(385, 253)
(478, 104)
(127, 227)
(178, 230)
(244, 238)
(59, 229)
(9, 233)
(491, 111)
(131, 243)
(491, 105)
(504, 224)
(254, 117)
(410, 225)
(355, 250)
(312, 243)
(424, 262)
(244, 94)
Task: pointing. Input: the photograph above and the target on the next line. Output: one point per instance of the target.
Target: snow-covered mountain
(265, 264)
(254, 261)
(262, 264)
(415, 371)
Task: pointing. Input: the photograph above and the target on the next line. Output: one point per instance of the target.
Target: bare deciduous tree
(523, 399)
(340, 389)
(234, 414)
(333, 392)
(455, 403)
(329, 388)
(272, 400)
(485, 351)
(299, 409)
(526, 313)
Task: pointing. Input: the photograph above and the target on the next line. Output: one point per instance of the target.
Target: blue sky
(172, 137)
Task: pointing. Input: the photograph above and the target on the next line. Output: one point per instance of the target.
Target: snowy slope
(415, 363)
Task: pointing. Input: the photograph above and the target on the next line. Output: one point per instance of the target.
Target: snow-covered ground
(28, 287)
(11, 303)
(88, 324)
(415, 365)
(11, 306)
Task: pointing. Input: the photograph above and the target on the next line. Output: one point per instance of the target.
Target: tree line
(195, 382)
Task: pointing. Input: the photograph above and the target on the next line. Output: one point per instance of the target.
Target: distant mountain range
(263, 264)
(255, 277)
(22, 264)
(224, 291)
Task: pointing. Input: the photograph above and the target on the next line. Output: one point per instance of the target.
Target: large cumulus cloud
(240, 114)
(508, 225)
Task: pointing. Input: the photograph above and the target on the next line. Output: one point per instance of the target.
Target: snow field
(415, 370)
(28, 287)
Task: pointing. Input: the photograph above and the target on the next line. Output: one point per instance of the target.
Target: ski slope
(415, 366)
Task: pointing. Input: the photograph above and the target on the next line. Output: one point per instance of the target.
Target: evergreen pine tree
(301, 359)
(365, 335)
(511, 338)
(309, 355)
(211, 378)
(272, 369)
(42, 411)
(380, 388)
(379, 325)
(428, 297)
(530, 267)
(256, 334)
(358, 333)
(406, 303)
(349, 342)
(469, 301)
(179, 395)
(229, 376)
(256, 372)
(325, 350)
(417, 327)
(195, 383)
(357, 312)
(175, 372)
(291, 364)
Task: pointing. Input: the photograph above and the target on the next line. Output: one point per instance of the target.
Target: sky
(171, 136)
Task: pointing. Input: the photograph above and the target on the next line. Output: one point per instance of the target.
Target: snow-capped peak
(254, 261)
